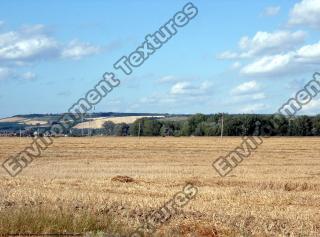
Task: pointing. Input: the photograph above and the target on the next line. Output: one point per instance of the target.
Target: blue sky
(234, 56)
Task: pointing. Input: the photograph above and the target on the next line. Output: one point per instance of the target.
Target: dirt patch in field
(122, 179)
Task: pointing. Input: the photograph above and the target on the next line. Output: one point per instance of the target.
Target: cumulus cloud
(230, 55)
(265, 43)
(271, 11)
(180, 94)
(15, 46)
(309, 54)
(247, 91)
(281, 64)
(9, 73)
(32, 43)
(269, 65)
(306, 12)
(312, 108)
(187, 88)
(245, 88)
(77, 50)
(167, 79)
(35, 43)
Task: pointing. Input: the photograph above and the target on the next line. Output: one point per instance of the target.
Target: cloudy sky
(235, 56)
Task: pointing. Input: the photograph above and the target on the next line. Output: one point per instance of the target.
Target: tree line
(211, 125)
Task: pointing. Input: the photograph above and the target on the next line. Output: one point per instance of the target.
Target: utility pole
(222, 126)
(139, 131)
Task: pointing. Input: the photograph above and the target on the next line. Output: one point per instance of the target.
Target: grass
(70, 189)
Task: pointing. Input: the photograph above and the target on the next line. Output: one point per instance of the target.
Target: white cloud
(28, 43)
(167, 79)
(247, 91)
(306, 12)
(182, 94)
(309, 53)
(78, 50)
(281, 64)
(229, 55)
(258, 96)
(34, 43)
(271, 11)
(269, 65)
(246, 87)
(34, 29)
(15, 46)
(313, 108)
(265, 43)
(236, 65)
(183, 88)
(9, 73)
(187, 88)
(28, 75)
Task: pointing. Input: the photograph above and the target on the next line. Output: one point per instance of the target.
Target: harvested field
(11, 119)
(96, 123)
(111, 184)
(23, 120)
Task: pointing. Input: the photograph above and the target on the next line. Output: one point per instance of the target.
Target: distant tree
(316, 126)
(134, 128)
(121, 129)
(185, 129)
(233, 126)
(215, 118)
(303, 126)
(195, 120)
(280, 125)
(109, 127)
(151, 127)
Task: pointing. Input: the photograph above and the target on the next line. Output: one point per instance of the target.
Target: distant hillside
(92, 121)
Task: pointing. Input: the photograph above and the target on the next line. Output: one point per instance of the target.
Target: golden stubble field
(275, 192)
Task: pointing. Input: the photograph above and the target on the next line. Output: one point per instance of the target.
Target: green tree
(316, 126)
(151, 127)
(109, 127)
(195, 120)
(121, 129)
(185, 129)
